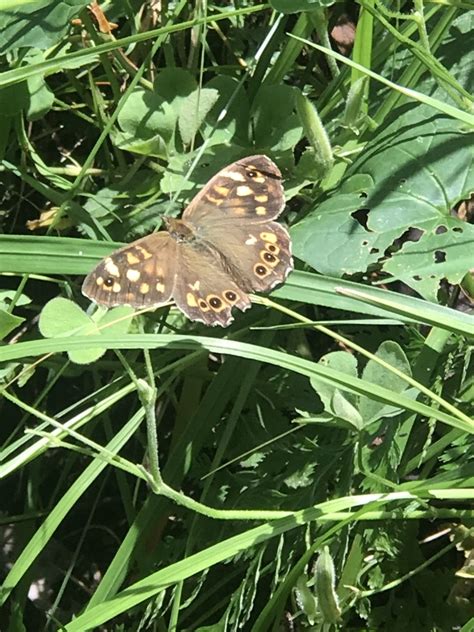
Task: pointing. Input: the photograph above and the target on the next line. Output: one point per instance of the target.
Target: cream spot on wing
(133, 275)
(99, 281)
(213, 200)
(191, 300)
(271, 237)
(236, 176)
(244, 190)
(195, 286)
(261, 198)
(144, 288)
(116, 287)
(251, 240)
(132, 259)
(111, 268)
(261, 210)
(160, 288)
(144, 251)
(221, 190)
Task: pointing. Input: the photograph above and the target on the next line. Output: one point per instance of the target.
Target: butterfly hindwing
(206, 293)
(259, 254)
(140, 274)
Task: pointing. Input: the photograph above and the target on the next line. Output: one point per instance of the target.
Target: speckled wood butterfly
(225, 245)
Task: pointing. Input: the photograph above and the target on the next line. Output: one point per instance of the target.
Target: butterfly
(226, 245)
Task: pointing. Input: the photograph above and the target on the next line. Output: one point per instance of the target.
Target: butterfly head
(178, 229)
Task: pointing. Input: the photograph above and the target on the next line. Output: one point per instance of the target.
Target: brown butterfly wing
(257, 254)
(204, 289)
(248, 189)
(140, 274)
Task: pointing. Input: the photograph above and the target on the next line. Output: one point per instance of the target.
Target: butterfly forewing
(249, 188)
(140, 274)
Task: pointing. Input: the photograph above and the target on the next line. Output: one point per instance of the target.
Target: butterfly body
(226, 245)
(179, 230)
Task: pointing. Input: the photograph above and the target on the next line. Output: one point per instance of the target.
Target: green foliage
(61, 317)
(296, 466)
(413, 171)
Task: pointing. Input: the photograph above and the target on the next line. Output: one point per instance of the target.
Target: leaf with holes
(399, 195)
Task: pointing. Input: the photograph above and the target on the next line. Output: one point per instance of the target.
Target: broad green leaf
(194, 110)
(61, 317)
(39, 24)
(40, 98)
(341, 361)
(116, 321)
(7, 296)
(444, 250)
(234, 101)
(391, 353)
(8, 322)
(342, 409)
(276, 124)
(143, 117)
(153, 146)
(13, 99)
(410, 175)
